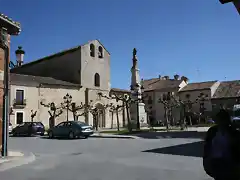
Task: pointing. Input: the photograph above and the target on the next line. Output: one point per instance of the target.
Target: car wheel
(42, 134)
(50, 135)
(85, 137)
(71, 135)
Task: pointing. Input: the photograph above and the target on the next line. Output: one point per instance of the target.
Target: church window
(97, 80)
(100, 52)
(92, 50)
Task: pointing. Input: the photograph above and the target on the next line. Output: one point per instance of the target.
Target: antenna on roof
(198, 74)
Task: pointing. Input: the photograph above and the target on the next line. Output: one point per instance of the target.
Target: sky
(195, 38)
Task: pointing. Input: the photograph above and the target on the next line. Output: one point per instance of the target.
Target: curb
(114, 136)
(13, 162)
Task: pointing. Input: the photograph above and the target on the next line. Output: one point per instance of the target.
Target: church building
(82, 72)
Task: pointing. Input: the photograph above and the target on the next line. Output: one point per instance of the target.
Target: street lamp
(67, 99)
(19, 54)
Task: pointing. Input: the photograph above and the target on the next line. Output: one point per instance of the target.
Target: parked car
(29, 128)
(71, 130)
(10, 128)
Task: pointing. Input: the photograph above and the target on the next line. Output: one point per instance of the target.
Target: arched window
(97, 80)
(100, 52)
(92, 50)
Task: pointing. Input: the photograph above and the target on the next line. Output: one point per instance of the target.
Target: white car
(10, 128)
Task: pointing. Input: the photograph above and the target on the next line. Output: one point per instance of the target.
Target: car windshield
(39, 123)
(81, 123)
(236, 113)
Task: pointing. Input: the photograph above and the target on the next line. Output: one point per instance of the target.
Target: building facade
(155, 90)
(82, 72)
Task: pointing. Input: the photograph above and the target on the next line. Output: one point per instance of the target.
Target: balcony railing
(19, 103)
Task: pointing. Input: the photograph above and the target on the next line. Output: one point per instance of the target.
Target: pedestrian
(221, 158)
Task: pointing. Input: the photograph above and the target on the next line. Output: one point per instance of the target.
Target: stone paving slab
(14, 159)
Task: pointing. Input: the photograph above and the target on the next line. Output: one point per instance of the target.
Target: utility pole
(4, 45)
(7, 27)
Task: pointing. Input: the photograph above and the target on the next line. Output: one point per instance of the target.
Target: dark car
(71, 129)
(29, 128)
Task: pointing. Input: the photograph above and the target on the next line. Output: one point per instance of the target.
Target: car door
(59, 129)
(24, 128)
(67, 128)
(19, 128)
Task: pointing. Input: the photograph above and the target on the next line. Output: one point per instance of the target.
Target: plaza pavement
(108, 159)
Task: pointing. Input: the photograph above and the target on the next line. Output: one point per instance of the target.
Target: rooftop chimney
(166, 77)
(176, 76)
(183, 78)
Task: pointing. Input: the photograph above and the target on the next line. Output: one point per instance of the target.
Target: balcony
(19, 103)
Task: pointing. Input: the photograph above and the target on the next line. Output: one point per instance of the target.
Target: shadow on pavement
(190, 149)
(59, 138)
(175, 134)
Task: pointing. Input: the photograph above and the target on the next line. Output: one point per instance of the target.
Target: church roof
(61, 53)
(13, 27)
(49, 57)
(29, 80)
(198, 86)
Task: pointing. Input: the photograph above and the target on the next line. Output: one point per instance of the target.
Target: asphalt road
(108, 159)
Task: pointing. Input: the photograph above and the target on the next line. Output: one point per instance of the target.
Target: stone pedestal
(141, 113)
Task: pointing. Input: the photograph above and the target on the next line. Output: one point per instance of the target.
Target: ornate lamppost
(67, 100)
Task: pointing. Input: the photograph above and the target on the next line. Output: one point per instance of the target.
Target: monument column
(137, 108)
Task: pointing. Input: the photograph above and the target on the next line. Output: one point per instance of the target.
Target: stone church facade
(82, 72)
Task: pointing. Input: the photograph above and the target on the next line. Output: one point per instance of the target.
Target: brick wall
(1, 75)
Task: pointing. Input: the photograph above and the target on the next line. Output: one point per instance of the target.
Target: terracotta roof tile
(29, 80)
(13, 26)
(228, 89)
(120, 90)
(158, 84)
(198, 86)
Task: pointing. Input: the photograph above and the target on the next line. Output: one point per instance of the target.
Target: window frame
(100, 52)
(92, 50)
(23, 95)
(97, 80)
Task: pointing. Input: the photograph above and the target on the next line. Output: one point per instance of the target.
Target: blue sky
(196, 38)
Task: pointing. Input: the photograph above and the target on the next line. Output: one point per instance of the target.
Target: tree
(53, 111)
(126, 99)
(74, 109)
(115, 109)
(168, 104)
(33, 114)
